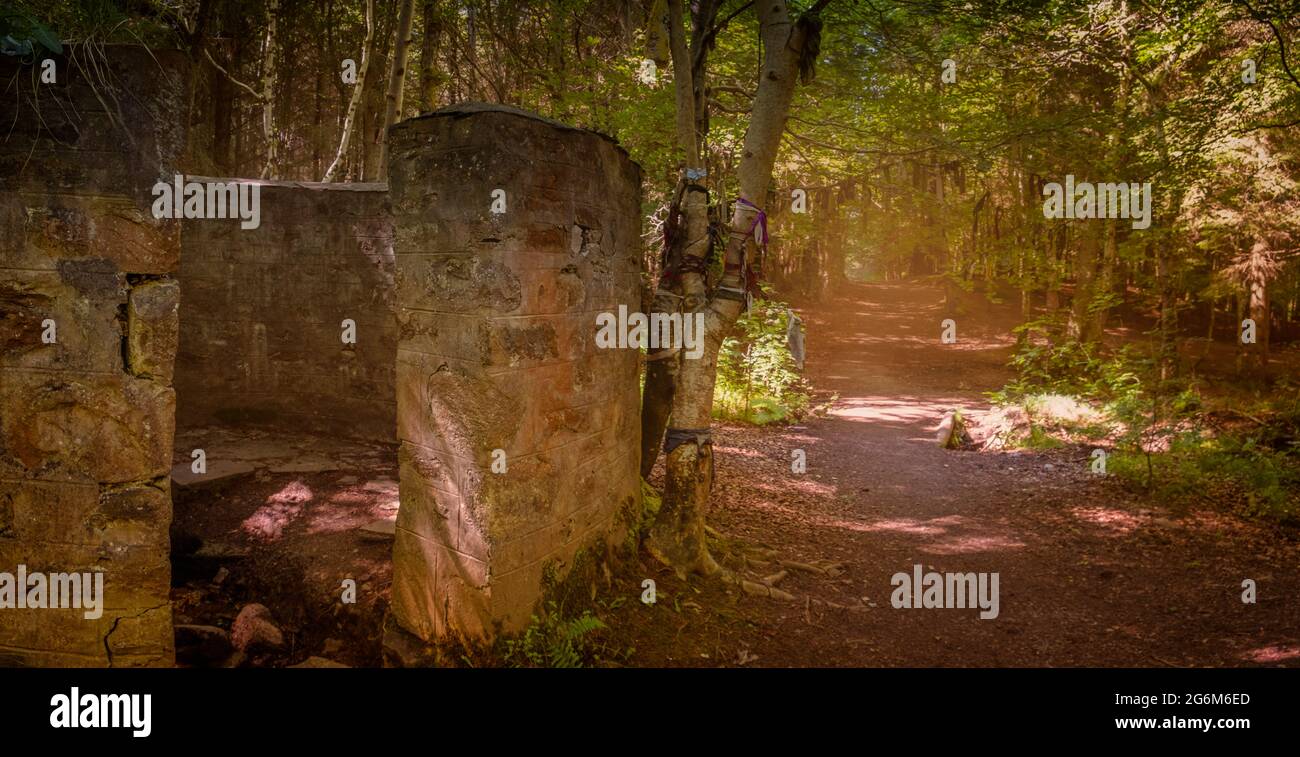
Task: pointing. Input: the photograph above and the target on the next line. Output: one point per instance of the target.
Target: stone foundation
(475, 344)
(86, 420)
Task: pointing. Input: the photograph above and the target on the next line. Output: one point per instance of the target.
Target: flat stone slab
(184, 475)
(306, 465)
(215, 550)
(381, 486)
(379, 529)
(318, 662)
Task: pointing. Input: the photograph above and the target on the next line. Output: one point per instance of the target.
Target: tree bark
(1085, 285)
(223, 111)
(428, 58)
(350, 120)
(268, 90)
(396, 80)
(663, 365)
(677, 536)
(1259, 305)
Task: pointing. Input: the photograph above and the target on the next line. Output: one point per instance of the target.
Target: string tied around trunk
(676, 437)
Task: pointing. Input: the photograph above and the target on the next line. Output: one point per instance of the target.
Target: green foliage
(1159, 430)
(1040, 439)
(554, 641)
(1047, 362)
(1235, 469)
(24, 36)
(758, 381)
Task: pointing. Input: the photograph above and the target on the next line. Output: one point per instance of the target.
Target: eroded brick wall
(263, 309)
(86, 422)
(497, 322)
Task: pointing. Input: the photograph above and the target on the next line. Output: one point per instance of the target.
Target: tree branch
(1277, 34)
(713, 33)
(258, 96)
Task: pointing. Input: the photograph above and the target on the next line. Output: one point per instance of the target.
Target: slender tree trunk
(396, 80)
(1053, 296)
(316, 130)
(223, 98)
(429, 58)
(678, 536)
(268, 89)
(690, 235)
(1085, 286)
(1167, 322)
(197, 46)
(1259, 306)
(358, 91)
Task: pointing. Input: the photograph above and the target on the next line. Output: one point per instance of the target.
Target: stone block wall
(263, 310)
(496, 351)
(86, 421)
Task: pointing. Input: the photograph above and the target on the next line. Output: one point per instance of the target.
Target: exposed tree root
(761, 590)
(821, 567)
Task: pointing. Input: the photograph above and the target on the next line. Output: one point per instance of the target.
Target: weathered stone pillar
(511, 234)
(88, 308)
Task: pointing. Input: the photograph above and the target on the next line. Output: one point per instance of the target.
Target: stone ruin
(476, 276)
(496, 357)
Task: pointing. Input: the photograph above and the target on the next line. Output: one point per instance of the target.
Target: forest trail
(1089, 574)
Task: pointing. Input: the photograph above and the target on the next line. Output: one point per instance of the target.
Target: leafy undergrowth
(759, 381)
(1234, 447)
(555, 641)
(1230, 468)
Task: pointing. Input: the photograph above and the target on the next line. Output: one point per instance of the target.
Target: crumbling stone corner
(87, 417)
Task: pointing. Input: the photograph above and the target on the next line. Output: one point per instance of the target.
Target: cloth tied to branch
(752, 272)
(794, 339)
(759, 225)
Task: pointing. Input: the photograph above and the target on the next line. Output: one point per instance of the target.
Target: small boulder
(379, 530)
(952, 432)
(255, 630)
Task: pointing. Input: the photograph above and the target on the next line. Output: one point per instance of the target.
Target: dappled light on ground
(1090, 573)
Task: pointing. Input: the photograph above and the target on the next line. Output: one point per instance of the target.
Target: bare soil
(287, 533)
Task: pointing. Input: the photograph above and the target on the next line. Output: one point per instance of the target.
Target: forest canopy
(922, 135)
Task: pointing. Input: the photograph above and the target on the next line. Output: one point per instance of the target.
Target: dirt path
(1088, 574)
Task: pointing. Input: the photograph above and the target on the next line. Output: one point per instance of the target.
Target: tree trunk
(350, 121)
(690, 237)
(1259, 307)
(429, 58)
(1085, 286)
(316, 130)
(223, 97)
(396, 80)
(197, 46)
(677, 536)
(1053, 295)
(268, 90)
